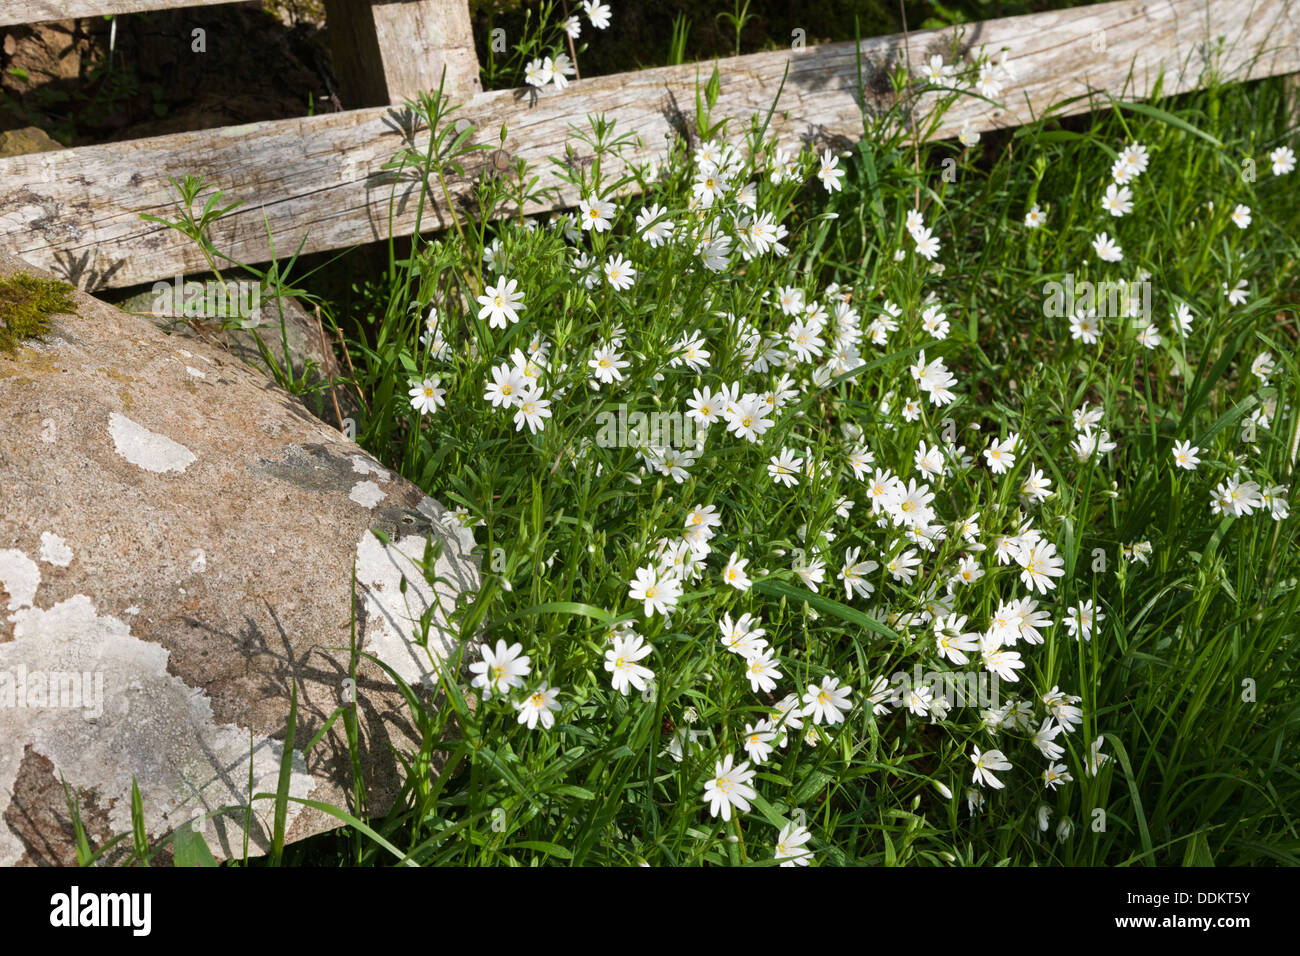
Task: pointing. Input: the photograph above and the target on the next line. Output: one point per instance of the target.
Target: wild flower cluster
(544, 56)
(862, 495)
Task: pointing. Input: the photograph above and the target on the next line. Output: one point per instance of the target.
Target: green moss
(26, 304)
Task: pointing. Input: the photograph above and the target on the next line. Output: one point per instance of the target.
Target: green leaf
(1146, 109)
(190, 848)
(541, 847)
(282, 785)
(779, 588)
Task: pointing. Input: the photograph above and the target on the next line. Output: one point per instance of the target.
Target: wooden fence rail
(318, 180)
(15, 12)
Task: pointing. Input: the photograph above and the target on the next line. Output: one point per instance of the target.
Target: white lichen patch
(191, 371)
(49, 431)
(146, 449)
(199, 561)
(367, 494)
(146, 725)
(54, 550)
(20, 576)
(393, 613)
(366, 466)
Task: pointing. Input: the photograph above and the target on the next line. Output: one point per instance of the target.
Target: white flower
(1079, 620)
(1132, 163)
(1088, 443)
(761, 669)
(1241, 216)
(729, 788)
(659, 593)
(501, 303)
(1274, 498)
(1062, 707)
(951, 639)
(652, 225)
(621, 662)
(426, 396)
(607, 365)
(985, 764)
(854, 574)
(619, 272)
(789, 845)
(902, 566)
(1236, 497)
(1045, 737)
(532, 411)
(562, 68)
(919, 699)
(1085, 326)
(540, 705)
(596, 214)
(1263, 367)
(827, 703)
(758, 740)
(880, 695)
(829, 173)
(1035, 217)
(1237, 294)
(811, 573)
(1001, 455)
(742, 637)
(1055, 775)
(539, 72)
(998, 660)
(935, 71)
(1037, 487)
(1148, 337)
(709, 185)
(1283, 160)
(1118, 201)
(927, 244)
(1107, 249)
(501, 668)
(1040, 563)
(934, 379)
(597, 12)
(784, 468)
(1096, 759)
(1185, 455)
(734, 573)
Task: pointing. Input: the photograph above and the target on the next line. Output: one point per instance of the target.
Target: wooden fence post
(387, 50)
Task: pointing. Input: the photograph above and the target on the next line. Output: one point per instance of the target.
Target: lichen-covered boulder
(178, 542)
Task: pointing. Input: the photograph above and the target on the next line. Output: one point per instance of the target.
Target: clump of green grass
(26, 304)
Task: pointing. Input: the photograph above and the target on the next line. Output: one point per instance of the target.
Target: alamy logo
(40, 690)
(622, 429)
(1107, 299)
(239, 301)
(947, 689)
(75, 909)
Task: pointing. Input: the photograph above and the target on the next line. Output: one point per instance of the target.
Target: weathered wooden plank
(388, 50)
(13, 12)
(318, 180)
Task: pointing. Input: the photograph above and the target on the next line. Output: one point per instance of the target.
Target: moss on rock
(26, 304)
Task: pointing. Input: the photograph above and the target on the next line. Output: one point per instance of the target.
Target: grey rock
(178, 542)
